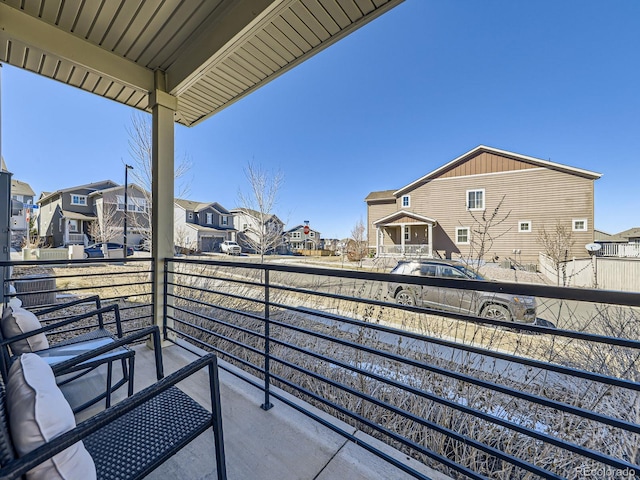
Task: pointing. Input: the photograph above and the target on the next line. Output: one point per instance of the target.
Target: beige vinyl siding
(539, 195)
(376, 211)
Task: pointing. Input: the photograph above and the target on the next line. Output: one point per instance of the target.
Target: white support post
(402, 227)
(430, 234)
(377, 241)
(163, 107)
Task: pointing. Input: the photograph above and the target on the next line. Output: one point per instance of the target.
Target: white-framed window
(296, 235)
(475, 199)
(209, 218)
(78, 199)
(462, 235)
(73, 226)
(312, 234)
(190, 215)
(245, 226)
(579, 224)
(407, 233)
(134, 204)
(524, 226)
(406, 201)
(225, 220)
(139, 204)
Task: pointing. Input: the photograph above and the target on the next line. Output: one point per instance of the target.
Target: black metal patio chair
(78, 355)
(132, 438)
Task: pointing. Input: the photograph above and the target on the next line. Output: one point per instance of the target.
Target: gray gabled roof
(381, 195)
(632, 232)
(199, 206)
(21, 188)
(130, 186)
(300, 227)
(256, 214)
(102, 185)
(206, 229)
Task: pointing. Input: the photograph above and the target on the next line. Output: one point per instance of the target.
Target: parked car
(95, 250)
(230, 248)
(499, 306)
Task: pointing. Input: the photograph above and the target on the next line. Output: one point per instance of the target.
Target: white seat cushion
(16, 321)
(38, 413)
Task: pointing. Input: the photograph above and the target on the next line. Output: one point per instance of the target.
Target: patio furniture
(82, 353)
(128, 440)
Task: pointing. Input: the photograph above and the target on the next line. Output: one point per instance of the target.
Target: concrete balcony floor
(280, 443)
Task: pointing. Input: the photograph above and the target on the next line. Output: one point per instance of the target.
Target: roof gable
(404, 216)
(90, 187)
(21, 188)
(384, 195)
(484, 160)
(630, 233)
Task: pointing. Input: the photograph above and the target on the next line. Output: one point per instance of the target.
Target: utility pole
(126, 209)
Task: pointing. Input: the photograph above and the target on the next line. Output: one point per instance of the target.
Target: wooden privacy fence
(609, 273)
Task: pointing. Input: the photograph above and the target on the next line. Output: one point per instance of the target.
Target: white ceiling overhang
(212, 52)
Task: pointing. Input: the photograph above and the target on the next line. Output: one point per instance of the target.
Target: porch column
(430, 234)
(402, 228)
(377, 241)
(163, 106)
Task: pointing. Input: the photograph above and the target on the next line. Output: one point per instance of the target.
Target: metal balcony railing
(472, 397)
(41, 284)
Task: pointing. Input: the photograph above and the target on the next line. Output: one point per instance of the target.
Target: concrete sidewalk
(277, 444)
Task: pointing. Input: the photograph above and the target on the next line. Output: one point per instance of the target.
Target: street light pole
(126, 208)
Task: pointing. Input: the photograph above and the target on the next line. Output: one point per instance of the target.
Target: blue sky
(407, 93)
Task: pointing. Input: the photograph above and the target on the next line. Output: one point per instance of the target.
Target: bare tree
(485, 231)
(266, 235)
(184, 241)
(357, 246)
(140, 151)
(108, 227)
(556, 244)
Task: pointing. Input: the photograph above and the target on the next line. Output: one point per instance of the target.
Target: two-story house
(200, 226)
(299, 238)
(23, 195)
(487, 203)
(258, 231)
(109, 208)
(66, 214)
(93, 212)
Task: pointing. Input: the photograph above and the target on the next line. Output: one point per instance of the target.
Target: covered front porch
(75, 227)
(406, 234)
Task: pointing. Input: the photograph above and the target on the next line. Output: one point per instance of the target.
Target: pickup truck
(230, 248)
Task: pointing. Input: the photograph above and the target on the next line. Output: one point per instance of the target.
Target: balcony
(353, 385)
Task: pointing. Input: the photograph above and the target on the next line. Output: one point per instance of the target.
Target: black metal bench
(135, 436)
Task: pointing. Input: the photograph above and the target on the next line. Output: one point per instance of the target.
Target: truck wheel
(496, 312)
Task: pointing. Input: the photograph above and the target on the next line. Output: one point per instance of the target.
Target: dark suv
(500, 306)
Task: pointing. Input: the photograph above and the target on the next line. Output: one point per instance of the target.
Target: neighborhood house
(301, 237)
(486, 204)
(201, 226)
(92, 213)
